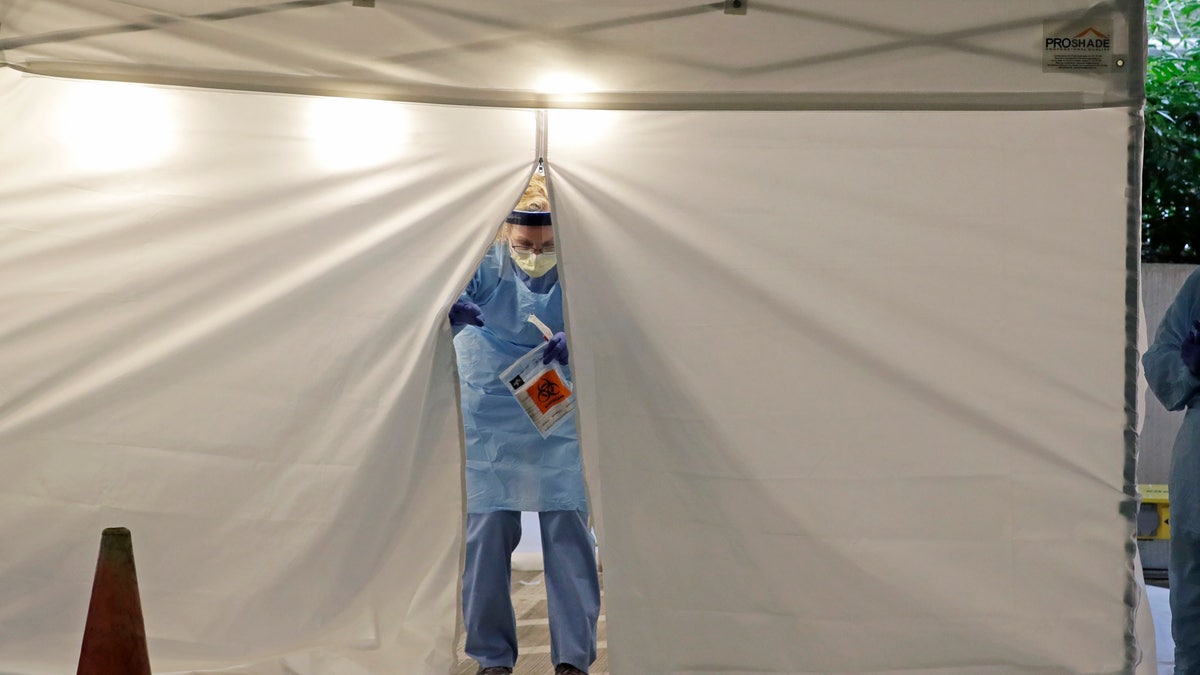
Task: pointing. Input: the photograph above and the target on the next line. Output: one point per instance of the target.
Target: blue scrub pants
(572, 587)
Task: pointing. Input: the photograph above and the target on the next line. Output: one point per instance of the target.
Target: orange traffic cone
(114, 639)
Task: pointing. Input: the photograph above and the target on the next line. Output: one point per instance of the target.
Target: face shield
(534, 255)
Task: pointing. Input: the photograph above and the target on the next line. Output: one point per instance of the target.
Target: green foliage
(1171, 159)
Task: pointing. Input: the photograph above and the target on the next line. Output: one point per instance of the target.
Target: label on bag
(543, 390)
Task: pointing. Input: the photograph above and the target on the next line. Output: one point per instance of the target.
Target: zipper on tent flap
(540, 141)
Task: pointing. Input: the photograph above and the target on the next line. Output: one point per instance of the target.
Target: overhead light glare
(566, 87)
(350, 133)
(580, 128)
(117, 126)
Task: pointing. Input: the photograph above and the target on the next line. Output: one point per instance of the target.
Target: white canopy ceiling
(632, 54)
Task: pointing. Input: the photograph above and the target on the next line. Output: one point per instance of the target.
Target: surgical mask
(533, 264)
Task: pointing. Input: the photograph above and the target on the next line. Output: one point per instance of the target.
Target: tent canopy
(850, 290)
(645, 54)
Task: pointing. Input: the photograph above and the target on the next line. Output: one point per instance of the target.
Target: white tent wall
(853, 386)
(856, 377)
(242, 356)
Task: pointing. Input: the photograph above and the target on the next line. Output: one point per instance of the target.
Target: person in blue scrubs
(1173, 371)
(510, 467)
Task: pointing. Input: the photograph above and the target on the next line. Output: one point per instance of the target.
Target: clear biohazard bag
(542, 389)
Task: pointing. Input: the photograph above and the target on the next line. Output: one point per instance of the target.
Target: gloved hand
(466, 312)
(1189, 349)
(556, 349)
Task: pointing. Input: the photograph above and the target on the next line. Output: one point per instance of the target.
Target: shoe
(494, 670)
(567, 669)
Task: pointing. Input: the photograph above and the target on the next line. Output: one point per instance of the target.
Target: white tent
(851, 295)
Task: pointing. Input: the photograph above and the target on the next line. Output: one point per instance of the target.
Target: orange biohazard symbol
(548, 390)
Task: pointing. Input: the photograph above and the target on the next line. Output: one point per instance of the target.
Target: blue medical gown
(509, 465)
(1178, 388)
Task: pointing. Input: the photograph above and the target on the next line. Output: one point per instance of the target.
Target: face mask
(534, 264)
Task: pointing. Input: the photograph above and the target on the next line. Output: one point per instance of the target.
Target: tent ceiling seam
(461, 96)
(576, 32)
(155, 21)
(906, 39)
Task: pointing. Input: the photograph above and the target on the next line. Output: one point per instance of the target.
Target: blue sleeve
(482, 283)
(1170, 380)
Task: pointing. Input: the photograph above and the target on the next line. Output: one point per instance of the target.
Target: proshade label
(1085, 45)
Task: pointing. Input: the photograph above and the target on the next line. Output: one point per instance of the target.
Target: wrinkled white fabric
(242, 356)
(892, 439)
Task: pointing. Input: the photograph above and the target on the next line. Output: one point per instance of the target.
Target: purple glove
(466, 312)
(556, 349)
(1189, 349)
